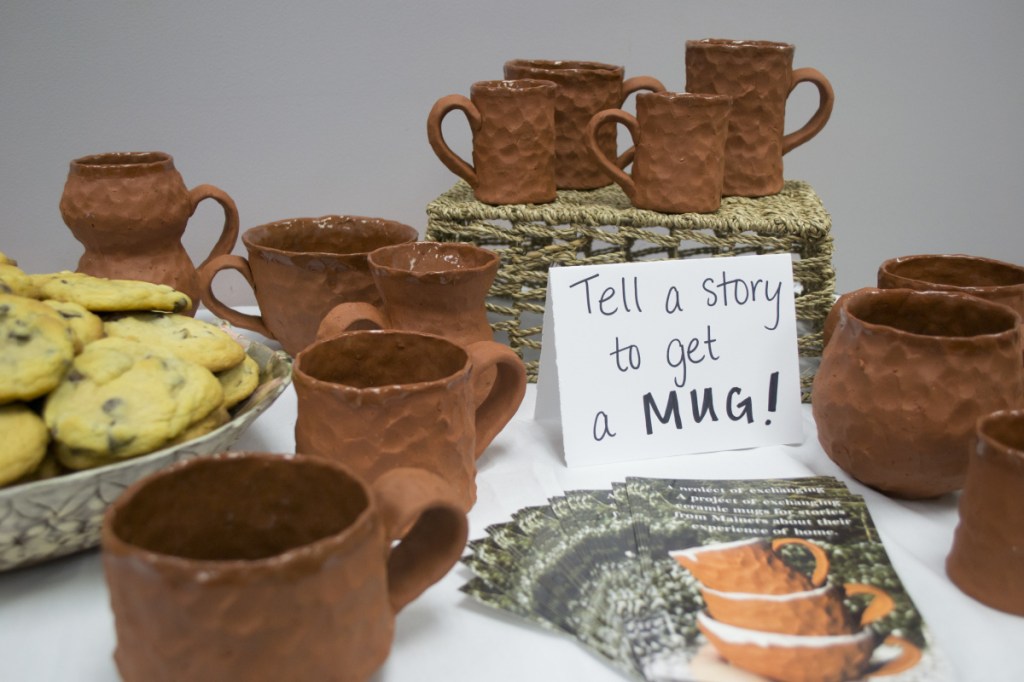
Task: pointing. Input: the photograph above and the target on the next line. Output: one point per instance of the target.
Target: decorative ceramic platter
(46, 519)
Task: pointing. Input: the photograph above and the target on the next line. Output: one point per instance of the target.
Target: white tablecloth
(56, 624)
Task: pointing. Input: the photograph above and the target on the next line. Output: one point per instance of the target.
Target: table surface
(56, 624)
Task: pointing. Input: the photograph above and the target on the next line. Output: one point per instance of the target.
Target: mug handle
(208, 271)
(821, 562)
(881, 604)
(350, 316)
(419, 510)
(435, 136)
(629, 86)
(826, 100)
(498, 407)
(909, 656)
(229, 233)
(613, 167)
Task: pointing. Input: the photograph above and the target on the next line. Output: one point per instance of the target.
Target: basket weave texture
(601, 226)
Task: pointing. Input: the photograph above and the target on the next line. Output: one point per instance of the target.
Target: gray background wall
(309, 108)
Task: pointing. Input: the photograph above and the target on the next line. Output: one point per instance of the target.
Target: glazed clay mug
(759, 76)
(584, 88)
(680, 151)
(904, 378)
(129, 210)
(380, 399)
(513, 125)
(753, 566)
(253, 566)
(986, 560)
(299, 269)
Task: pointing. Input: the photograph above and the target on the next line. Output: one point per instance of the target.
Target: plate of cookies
(102, 382)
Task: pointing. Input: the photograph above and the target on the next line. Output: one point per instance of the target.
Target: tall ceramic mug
(986, 561)
(584, 88)
(680, 151)
(299, 269)
(759, 76)
(376, 400)
(513, 125)
(904, 378)
(253, 566)
(130, 209)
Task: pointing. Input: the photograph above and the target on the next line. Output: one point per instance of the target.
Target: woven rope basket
(600, 226)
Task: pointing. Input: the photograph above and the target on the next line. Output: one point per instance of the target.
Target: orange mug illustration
(753, 566)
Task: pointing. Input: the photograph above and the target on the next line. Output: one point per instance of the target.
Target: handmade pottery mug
(799, 658)
(753, 566)
(820, 611)
(130, 209)
(513, 125)
(380, 399)
(759, 76)
(986, 561)
(584, 88)
(903, 379)
(680, 151)
(299, 269)
(254, 566)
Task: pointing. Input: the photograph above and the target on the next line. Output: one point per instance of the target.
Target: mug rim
(251, 237)
(511, 86)
(858, 298)
(487, 258)
(567, 66)
(119, 163)
(740, 45)
(691, 98)
(984, 430)
(891, 267)
(114, 544)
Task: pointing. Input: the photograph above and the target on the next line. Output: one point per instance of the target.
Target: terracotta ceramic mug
(807, 658)
(252, 566)
(584, 88)
(300, 269)
(904, 378)
(759, 76)
(986, 561)
(513, 125)
(380, 399)
(753, 566)
(680, 151)
(820, 611)
(130, 209)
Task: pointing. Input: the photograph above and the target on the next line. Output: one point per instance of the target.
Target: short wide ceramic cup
(301, 268)
(255, 566)
(987, 561)
(753, 566)
(987, 278)
(376, 400)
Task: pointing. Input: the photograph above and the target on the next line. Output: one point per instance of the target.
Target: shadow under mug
(301, 268)
(257, 566)
(376, 400)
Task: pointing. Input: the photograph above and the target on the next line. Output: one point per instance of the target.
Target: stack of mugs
(766, 617)
(544, 128)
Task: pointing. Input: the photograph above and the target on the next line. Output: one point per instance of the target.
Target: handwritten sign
(660, 358)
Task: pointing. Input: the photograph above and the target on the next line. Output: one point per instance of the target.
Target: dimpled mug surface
(903, 379)
(299, 269)
(256, 566)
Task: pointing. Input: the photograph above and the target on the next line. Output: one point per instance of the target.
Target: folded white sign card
(658, 358)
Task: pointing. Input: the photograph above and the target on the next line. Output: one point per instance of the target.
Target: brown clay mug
(130, 209)
(680, 151)
(820, 611)
(254, 566)
(753, 566)
(759, 76)
(380, 399)
(513, 125)
(986, 560)
(299, 269)
(584, 88)
(807, 658)
(903, 379)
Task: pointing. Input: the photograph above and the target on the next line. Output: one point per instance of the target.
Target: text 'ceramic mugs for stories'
(130, 209)
(380, 399)
(903, 379)
(759, 76)
(513, 126)
(256, 566)
(584, 88)
(299, 269)
(680, 151)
